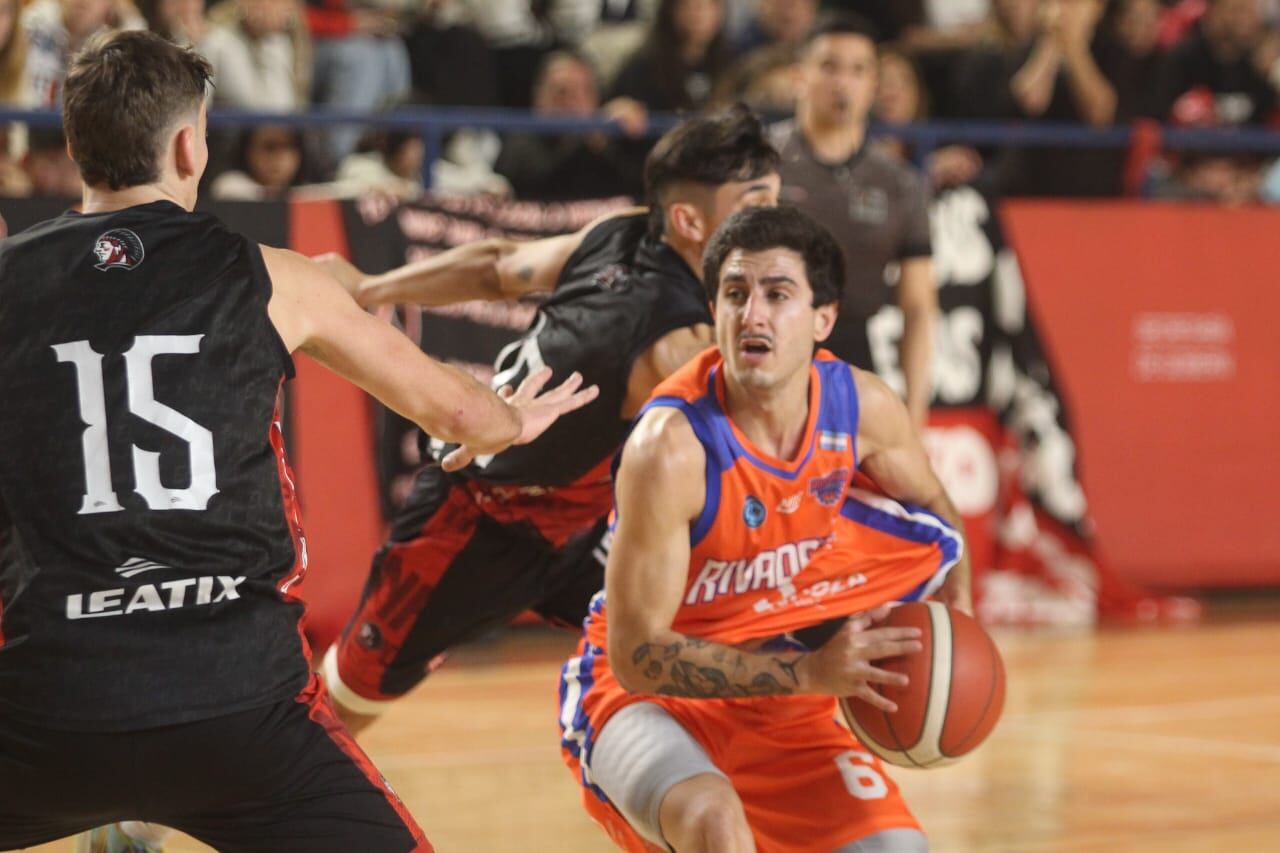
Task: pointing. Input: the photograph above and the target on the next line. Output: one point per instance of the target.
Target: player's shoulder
(664, 444)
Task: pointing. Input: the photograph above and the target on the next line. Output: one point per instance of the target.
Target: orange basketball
(954, 697)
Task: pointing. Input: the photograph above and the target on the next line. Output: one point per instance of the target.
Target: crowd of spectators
(1189, 63)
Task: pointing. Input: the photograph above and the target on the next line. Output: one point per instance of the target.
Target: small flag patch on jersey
(837, 441)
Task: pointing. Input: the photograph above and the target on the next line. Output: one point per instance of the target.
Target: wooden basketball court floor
(1135, 739)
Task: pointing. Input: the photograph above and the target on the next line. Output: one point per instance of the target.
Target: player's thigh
(279, 779)
(641, 756)
(808, 786)
(54, 784)
(462, 575)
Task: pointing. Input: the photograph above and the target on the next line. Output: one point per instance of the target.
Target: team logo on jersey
(753, 512)
(609, 276)
(829, 488)
(118, 248)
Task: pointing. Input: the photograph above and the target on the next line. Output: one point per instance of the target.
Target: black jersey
(148, 533)
(618, 294)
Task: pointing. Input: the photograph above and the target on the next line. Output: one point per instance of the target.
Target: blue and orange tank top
(764, 519)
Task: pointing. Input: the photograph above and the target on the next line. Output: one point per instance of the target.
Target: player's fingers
(580, 399)
(506, 392)
(460, 458)
(877, 635)
(532, 384)
(882, 649)
(875, 675)
(871, 697)
(564, 390)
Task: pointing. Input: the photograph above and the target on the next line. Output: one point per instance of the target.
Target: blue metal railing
(435, 123)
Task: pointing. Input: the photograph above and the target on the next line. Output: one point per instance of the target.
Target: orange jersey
(778, 546)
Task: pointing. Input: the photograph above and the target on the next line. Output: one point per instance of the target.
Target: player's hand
(347, 273)
(537, 411)
(844, 666)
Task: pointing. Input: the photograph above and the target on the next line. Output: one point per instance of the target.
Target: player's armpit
(891, 454)
(660, 491)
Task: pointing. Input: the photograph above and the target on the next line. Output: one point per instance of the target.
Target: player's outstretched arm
(313, 313)
(486, 269)
(660, 491)
(890, 452)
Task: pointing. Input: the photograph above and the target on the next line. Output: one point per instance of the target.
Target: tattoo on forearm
(684, 668)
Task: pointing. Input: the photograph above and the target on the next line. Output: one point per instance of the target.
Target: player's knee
(706, 816)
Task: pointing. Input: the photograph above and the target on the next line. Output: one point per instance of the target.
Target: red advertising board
(1160, 321)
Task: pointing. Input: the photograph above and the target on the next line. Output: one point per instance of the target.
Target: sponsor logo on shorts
(769, 569)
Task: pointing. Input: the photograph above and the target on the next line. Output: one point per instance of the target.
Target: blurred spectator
(14, 182)
(574, 165)
(269, 161)
(874, 205)
(389, 162)
(764, 80)
(679, 60)
(261, 55)
(56, 29)
(440, 43)
(1232, 56)
(618, 35)
(180, 21)
(1055, 65)
(49, 169)
(13, 56)
(360, 63)
(900, 99)
(948, 25)
(778, 22)
(523, 32)
(1136, 61)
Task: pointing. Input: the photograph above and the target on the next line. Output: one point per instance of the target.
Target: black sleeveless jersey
(618, 293)
(148, 532)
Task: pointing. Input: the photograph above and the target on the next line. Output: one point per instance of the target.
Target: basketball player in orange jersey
(694, 715)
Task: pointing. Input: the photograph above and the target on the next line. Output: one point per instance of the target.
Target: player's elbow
(626, 658)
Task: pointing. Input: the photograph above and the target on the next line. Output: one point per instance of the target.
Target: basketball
(953, 699)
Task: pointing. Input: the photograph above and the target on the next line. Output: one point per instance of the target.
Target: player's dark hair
(758, 229)
(123, 94)
(709, 150)
(842, 24)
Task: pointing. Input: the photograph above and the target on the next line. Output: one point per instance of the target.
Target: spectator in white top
(56, 29)
(261, 55)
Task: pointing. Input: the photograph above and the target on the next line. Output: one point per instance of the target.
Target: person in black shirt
(152, 665)
(525, 529)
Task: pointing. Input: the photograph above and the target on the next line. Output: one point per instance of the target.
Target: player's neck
(103, 200)
(690, 253)
(831, 142)
(774, 419)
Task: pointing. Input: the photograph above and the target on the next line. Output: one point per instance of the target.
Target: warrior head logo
(118, 247)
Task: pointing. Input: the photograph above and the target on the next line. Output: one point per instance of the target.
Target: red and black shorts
(282, 778)
(462, 560)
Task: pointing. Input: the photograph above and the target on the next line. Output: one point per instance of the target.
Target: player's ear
(183, 146)
(687, 221)
(824, 320)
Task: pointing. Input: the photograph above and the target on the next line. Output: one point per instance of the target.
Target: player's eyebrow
(754, 188)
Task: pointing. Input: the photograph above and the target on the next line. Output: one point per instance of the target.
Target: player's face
(838, 78)
(766, 324)
(729, 198)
